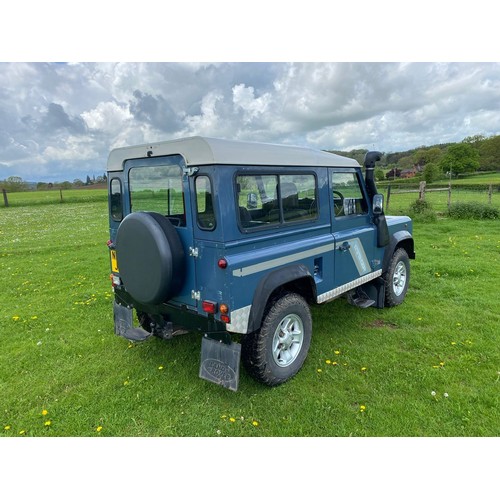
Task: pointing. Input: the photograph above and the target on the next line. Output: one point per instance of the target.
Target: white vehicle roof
(199, 151)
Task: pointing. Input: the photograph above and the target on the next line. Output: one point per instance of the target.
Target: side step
(362, 302)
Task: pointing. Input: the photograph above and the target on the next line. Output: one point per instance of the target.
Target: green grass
(53, 196)
(59, 353)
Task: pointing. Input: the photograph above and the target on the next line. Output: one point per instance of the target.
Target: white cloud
(70, 116)
(107, 117)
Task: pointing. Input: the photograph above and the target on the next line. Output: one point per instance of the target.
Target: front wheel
(276, 352)
(397, 278)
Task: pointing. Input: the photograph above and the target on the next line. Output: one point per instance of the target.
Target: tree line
(15, 184)
(474, 153)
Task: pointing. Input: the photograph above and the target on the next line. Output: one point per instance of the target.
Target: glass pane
(348, 197)
(204, 203)
(298, 197)
(158, 188)
(116, 200)
(258, 200)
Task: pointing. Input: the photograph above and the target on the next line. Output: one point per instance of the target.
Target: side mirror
(378, 204)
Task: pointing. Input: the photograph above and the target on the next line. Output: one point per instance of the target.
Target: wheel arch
(400, 239)
(294, 278)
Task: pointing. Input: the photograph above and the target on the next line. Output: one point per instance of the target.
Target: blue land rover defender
(236, 240)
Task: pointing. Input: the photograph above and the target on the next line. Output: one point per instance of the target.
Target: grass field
(430, 367)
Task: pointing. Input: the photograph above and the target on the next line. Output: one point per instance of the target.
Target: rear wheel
(397, 278)
(276, 352)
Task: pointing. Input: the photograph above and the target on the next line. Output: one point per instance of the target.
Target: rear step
(123, 324)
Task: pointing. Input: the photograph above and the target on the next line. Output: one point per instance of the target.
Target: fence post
(388, 197)
(5, 200)
(421, 191)
(490, 192)
(449, 195)
(60, 195)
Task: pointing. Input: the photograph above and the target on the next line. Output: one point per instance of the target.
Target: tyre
(150, 257)
(397, 278)
(276, 352)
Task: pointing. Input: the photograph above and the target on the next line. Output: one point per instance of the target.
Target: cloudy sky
(59, 121)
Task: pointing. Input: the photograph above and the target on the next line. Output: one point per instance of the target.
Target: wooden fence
(422, 190)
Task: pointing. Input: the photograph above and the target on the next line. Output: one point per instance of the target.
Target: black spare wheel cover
(150, 257)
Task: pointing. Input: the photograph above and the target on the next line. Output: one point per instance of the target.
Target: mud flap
(220, 363)
(123, 324)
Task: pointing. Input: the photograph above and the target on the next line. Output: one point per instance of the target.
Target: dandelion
(437, 275)
(255, 423)
(441, 363)
(160, 367)
(445, 394)
(16, 318)
(319, 370)
(328, 362)
(419, 319)
(232, 420)
(223, 416)
(433, 393)
(48, 423)
(44, 412)
(337, 352)
(363, 369)
(334, 363)
(34, 317)
(362, 408)
(22, 432)
(126, 382)
(99, 428)
(453, 343)
(6, 428)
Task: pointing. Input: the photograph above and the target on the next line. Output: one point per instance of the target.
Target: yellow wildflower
(160, 367)
(22, 432)
(48, 423)
(99, 428)
(363, 369)
(44, 412)
(16, 318)
(7, 428)
(337, 352)
(319, 370)
(334, 363)
(328, 362)
(362, 408)
(232, 419)
(255, 423)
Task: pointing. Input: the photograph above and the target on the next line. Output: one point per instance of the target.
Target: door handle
(345, 246)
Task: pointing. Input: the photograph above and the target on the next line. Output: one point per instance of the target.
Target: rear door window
(155, 185)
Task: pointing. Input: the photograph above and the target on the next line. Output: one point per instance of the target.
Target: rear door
(160, 185)
(352, 228)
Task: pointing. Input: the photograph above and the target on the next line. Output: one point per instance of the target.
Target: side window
(115, 192)
(298, 197)
(348, 198)
(204, 203)
(271, 199)
(257, 200)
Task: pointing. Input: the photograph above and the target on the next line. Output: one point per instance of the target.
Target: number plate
(114, 262)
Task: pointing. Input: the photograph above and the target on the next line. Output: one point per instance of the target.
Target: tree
(427, 155)
(431, 172)
(14, 183)
(459, 159)
(489, 152)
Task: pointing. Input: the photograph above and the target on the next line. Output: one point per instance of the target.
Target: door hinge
(193, 252)
(195, 295)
